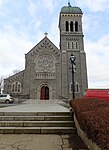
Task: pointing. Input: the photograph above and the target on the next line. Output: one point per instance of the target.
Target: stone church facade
(47, 74)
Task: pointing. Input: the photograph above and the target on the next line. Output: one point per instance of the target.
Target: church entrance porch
(44, 93)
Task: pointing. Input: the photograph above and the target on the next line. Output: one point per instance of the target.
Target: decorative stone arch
(48, 88)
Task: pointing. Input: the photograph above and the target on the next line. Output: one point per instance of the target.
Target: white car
(6, 98)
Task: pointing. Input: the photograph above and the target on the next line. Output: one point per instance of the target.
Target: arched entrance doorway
(44, 93)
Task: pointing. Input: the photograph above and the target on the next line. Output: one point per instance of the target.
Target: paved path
(39, 141)
(34, 142)
(37, 107)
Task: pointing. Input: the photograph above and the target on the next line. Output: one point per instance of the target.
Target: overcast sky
(23, 23)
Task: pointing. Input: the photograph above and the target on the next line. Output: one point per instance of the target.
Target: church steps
(37, 130)
(35, 118)
(34, 113)
(36, 122)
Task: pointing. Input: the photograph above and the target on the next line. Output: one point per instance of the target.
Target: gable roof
(44, 42)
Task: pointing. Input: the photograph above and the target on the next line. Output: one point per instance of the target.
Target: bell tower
(71, 42)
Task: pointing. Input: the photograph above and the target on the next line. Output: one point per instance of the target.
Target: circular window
(45, 63)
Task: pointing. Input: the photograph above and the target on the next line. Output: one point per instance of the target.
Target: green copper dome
(70, 9)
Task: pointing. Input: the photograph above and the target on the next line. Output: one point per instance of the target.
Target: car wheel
(7, 101)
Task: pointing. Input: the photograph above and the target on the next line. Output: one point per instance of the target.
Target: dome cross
(69, 3)
(45, 33)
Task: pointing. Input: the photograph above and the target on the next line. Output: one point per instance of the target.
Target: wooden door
(44, 93)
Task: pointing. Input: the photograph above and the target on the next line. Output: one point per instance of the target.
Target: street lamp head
(72, 59)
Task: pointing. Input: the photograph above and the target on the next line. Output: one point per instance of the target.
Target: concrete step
(37, 130)
(36, 124)
(36, 118)
(34, 113)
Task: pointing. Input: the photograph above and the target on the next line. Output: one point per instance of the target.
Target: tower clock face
(45, 63)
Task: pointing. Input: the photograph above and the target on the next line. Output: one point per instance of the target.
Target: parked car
(6, 98)
(102, 94)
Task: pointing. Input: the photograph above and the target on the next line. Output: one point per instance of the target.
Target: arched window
(19, 87)
(72, 45)
(76, 26)
(71, 26)
(76, 45)
(16, 87)
(67, 26)
(76, 87)
(68, 45)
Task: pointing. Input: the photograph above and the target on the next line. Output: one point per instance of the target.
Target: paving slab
(30, 142)
(42, 107)
(39, 142)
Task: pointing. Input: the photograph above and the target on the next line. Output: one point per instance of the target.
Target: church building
(48, 74)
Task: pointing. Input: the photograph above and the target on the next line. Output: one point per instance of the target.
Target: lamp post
(72, 61)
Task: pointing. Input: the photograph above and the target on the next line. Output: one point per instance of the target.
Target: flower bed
(93, 118)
